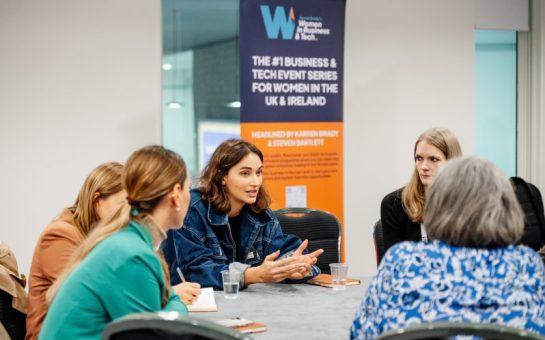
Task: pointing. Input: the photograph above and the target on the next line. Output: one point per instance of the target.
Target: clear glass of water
(339, 272)
(230, 283)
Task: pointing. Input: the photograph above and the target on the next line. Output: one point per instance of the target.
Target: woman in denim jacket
(229, 226)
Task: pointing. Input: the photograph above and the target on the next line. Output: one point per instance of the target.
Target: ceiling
(198, 23)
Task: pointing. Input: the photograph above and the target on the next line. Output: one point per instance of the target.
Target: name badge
(251, 255)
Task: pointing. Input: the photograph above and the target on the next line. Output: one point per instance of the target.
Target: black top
(396, 225)
(234, 224)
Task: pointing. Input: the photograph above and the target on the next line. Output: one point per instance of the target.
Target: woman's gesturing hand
(295, 267)
(308, 260)
(272, 270)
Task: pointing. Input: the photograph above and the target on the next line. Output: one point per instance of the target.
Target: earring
(178, 208)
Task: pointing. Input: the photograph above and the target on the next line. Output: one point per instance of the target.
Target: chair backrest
(321, 228)
(531, 203)
(379, 241)
(13, 297)
(446, 330)
(168, 325)
(14, 322)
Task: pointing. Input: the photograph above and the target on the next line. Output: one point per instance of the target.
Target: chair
(445, 330)
(13, 297)
(321, 228)
(12, 320)
(168, 325)
(379, 241)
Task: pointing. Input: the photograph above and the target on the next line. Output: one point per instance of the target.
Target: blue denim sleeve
(185, 248)
(198, 262)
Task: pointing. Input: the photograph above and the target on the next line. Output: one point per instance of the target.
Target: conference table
(293, 311)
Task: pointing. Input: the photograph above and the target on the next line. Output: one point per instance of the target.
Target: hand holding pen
(188, 291)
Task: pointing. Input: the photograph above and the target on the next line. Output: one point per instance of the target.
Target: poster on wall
(211, 135)
(291, 78)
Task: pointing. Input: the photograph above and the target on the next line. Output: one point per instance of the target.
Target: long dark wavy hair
(227, 155)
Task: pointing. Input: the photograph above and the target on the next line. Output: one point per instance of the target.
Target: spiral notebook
(206, 302)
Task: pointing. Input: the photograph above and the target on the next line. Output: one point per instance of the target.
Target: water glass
(230, 283)
(339, 272)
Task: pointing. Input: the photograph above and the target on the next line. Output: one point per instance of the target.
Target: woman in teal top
(116, 271)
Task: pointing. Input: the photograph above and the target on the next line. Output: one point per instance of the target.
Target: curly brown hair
(227, 155)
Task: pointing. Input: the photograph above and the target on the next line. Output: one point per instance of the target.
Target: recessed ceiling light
(174, 105)
(234, 103)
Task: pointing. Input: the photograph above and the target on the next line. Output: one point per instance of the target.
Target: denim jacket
(204, 246)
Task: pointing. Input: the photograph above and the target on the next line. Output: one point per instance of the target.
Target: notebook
(243, 325)
(324, 280)
(205, 302)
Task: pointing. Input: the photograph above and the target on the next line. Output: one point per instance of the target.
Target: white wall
(80, 84)
(409, 66)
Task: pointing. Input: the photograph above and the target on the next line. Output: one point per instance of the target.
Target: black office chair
(321, 228)
(379, 241)
(13, 297)
(168, 326)
(446, 330)
(13, 320)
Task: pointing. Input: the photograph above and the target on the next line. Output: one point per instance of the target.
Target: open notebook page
(205, 302)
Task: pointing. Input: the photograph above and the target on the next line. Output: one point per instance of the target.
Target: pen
(180, 273)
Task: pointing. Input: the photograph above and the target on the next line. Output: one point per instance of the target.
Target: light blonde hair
(105, 180)
(413, 196)
(149, 174)
(472, 203)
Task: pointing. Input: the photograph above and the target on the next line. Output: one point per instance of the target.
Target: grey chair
(168, 326)
(321, 228)
(378, 239)
(446, 330)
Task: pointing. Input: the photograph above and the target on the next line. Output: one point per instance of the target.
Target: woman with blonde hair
(401, 212)
(99, 196)
(117, 271)
(472, 269)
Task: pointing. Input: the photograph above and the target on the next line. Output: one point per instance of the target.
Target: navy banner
(291, 60)
(291, 70)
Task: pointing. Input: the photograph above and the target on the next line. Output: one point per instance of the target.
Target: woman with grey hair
(470, 271)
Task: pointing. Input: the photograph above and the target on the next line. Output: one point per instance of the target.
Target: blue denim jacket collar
(257, 220)
(251, 224)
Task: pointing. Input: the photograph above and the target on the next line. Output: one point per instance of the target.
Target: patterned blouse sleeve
(368, 321)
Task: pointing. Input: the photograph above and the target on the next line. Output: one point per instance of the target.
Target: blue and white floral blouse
(426, 282)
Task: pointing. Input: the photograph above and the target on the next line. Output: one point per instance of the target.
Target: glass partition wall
(201, 97)
(496, 98)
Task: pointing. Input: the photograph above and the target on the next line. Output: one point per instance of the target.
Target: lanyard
(423, 232)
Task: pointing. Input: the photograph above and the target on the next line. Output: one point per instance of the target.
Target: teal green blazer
(120, 276)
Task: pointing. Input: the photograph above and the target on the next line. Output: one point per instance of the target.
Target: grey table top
(296, 311)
